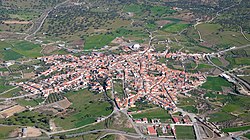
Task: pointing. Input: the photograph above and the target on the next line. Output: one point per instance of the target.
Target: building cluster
(184, 56)
(140, 72)
(155, 127)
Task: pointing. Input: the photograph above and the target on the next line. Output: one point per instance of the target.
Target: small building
(164, 130)
(24, 132)
(186, 119)
(144, 120)
(151, 130)
(138, 121)
(176, 120)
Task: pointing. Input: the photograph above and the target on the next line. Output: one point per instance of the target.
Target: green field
(174, 28)
(232, 104)
(235, 129)
(18, 49)
(215, 83)
(10, 93)
(135, 8)
(247, 135)
(87, 108)
(157, 113)
(236, 62)
(220, 117)
(216, 61)
(27, 49)
(97, 41)
(32, 102)
(4, 85)
(216, 35)
(185, 133)
(5, 131)
(191, 109)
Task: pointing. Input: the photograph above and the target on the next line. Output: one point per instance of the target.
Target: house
(151, 130)
(138, 121)
(164, 130)
(176, 120)
(144, 120)
(186, 119)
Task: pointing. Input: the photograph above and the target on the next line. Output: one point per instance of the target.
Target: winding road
(36, 26)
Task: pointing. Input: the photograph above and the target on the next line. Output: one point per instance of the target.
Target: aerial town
(140, 72)
(125, 69)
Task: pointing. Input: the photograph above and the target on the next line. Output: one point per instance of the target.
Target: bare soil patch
(11, 111)
(16, 22)
(162, 22)
(188, 17)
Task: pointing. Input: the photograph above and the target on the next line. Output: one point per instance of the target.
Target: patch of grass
(216, 61)
(109, 137)
(215, 34)
(24, 102)
(161, 10)
(215, 83)
(185, 132)
(18, 49)
(11, 55)
(235, 129)
(5, 131)
(11, 93)
(174, 28)
(190, 109)
(220, 117)
(142, 105)
(247, 135)
(87, 108)
(27, 49)
(135, 8)
(97, 41)
(235, 62)
(3, 85)
(158, 113)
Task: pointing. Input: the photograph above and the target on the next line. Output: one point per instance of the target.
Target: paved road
(232, 75)
(112, 131)
(226, 50)
(42, 19)
(132, 122)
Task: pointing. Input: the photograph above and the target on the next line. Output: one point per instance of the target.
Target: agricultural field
(175, 28)
(86, 108)
(220, 117)
(29, 102)
(11, 93)
(184, 132)
(235, 129)
(13, 50)
(54, 98)
(220, 38)
(118, 89)
(6, 130)
(215, 83)
(157, 113)
(4, 85)
(234, 105)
